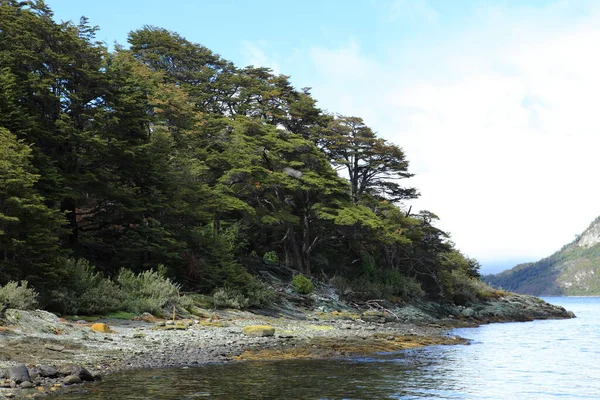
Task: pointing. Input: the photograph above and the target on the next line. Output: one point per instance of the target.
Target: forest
(163, 156)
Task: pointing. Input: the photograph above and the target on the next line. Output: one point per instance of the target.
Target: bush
(229, 298)
(390, 285)
(302, 284)
(90, 292)
(271, 256)
(18, 295)
(86, 292)
(258, 294)
(149, 291)
(463, 289)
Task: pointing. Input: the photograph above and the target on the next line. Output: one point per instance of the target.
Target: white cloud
(500, 121)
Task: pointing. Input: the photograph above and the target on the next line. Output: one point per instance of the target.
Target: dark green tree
(29, 230)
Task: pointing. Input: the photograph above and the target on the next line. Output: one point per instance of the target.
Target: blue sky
(494, 102)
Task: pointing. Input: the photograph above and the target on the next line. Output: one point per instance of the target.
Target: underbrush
(89, 292)
(254, 294)
(18, 295)
(463, 289)
(389, 285)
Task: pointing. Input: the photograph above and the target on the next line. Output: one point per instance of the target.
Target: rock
(82, 373)
(146, 317)
(97, 376)
(71, 379)
(47, 371)
(35, 321)
(101, 327)
(18, 374)
(54, 347)
(26, 385)
(9, 395)
(259, 330)
(467, 312)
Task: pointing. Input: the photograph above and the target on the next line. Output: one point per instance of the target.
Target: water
(532, 360)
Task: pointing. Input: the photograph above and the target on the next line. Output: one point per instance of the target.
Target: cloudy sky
(494, 102)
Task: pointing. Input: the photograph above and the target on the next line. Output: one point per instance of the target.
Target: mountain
(574, 270)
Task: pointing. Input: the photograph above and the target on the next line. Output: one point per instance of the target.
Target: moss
(331, 348)
(176, 327)
(121, 315)
(338, 315)
(214, 324)
(259, 330)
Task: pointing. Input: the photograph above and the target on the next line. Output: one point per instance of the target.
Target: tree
(373, 165)
(29, 230)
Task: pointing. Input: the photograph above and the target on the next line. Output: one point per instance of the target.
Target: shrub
(463, 289)
(90, 292)
(149, 291)
(229, 298)
(271, 256)
(390, 285)
(18, 295)
(86, 292)
(258, 294)
(302, 284)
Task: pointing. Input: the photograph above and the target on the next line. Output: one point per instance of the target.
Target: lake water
(531, 360)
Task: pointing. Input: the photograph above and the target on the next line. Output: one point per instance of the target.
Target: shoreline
(39, 339)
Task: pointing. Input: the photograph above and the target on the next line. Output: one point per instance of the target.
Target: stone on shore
(101, 327)
(71, 379)
(259, 330)
(47, 371)
(19, 373)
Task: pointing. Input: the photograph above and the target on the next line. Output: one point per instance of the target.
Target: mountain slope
(574, 270)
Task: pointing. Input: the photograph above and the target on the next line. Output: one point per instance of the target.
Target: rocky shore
(41, 353)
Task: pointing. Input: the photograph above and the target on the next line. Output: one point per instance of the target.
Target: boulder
(82, 373)
(71, 379)
(47, 371)
(18, 374)
(101, 327)
(26, 385)
(259, 330)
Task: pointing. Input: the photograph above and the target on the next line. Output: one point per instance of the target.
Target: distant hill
(574, 270)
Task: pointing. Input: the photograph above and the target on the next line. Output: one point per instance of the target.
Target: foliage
(18, 295)
(464, 289)
(302, 284)
(271, 256)
(229, 298)
(29, 229)
(393, 287)
(86, 291)
(149, 291)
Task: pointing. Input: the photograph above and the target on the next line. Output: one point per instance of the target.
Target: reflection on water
(533, 360)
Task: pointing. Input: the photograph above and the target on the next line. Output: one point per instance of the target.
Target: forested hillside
(574, 270)
(165, 153)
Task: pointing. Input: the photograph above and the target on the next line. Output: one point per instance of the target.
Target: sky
(495, 103)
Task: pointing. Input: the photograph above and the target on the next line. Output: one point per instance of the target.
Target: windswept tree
(373, 165)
